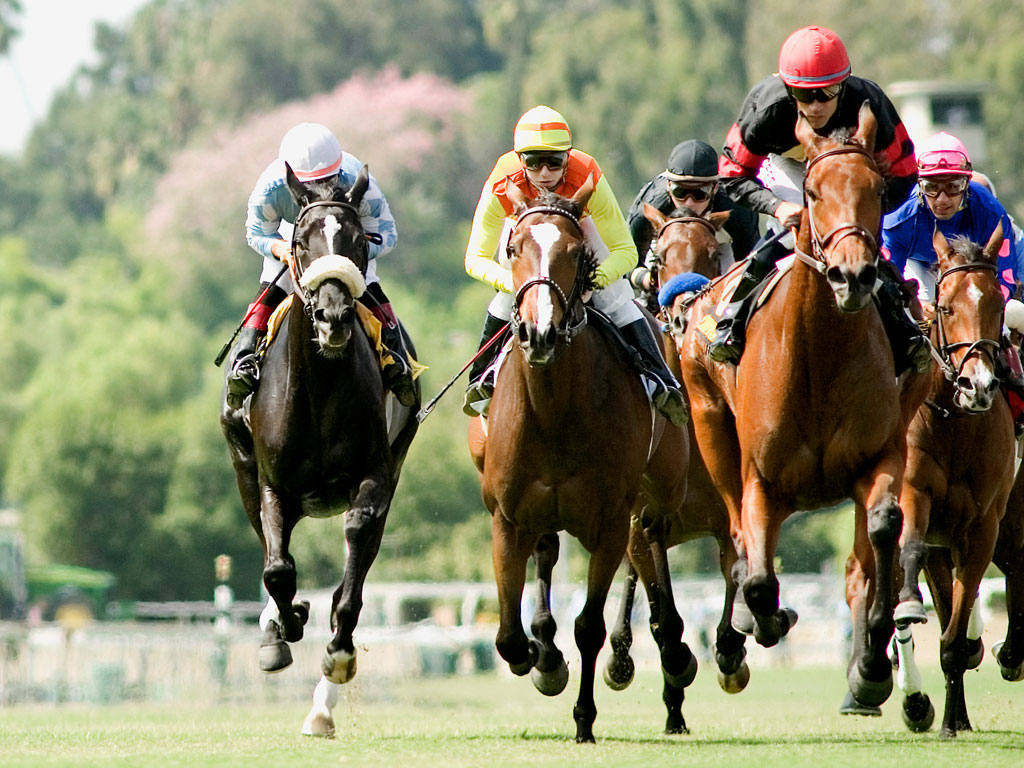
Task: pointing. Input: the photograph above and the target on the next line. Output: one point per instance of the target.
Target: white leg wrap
(269, 613)
(320, 720)
(976, 622)
(908, 677)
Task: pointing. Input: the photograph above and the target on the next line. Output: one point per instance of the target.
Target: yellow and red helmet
(542, 128)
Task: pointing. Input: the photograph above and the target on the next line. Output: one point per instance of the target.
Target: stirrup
(920, 354)
(477, 401)
(243, 379)
(672, 405)
(727, 346)
(397, 379)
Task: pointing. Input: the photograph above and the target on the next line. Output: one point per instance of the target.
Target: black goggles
(952, 187)
(534, 160)
(807, 95)
(681, 191)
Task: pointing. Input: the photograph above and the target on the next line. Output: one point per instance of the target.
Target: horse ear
(718, 218)
(995, 242)
(515, 197)
(362, 183)
(803, 233)
(806, 135)
(654, 216)
(582, 196)
(296, 187)
(941, 246)
(867, 127)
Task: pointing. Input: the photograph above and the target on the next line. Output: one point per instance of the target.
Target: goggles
(950, 160)
(533, 160)
(807, 95)
(953, 187)
(681, 191)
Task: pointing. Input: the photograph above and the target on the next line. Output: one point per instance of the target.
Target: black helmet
(692, 161)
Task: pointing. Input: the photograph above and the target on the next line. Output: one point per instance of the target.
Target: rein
(819, 244)
(942, 352)
(295, 267)
(566, 329)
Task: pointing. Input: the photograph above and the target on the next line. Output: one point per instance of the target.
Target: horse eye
(811, 194)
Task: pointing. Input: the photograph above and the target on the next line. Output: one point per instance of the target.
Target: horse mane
(588, 261)
(684, 212)
(330, 188)
(965, 248)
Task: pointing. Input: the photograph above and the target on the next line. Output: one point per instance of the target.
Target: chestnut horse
(959, 473)
(685, 244)
(1009, 557)
(812, 414)
(571, 443)
(313, 440)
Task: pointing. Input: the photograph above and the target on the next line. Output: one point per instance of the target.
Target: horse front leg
(364, 528)
(590, 627)
(619, 670)
(878, 511)
(284, 624)
(730, 653)
(916, 505)
(510, 552)
(1009, 557)
(550, 672)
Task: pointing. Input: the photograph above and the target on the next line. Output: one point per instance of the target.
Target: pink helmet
(943, 155)
(813, 57)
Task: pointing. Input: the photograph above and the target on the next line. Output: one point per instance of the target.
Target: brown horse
(812, 414)
(1009, 558)
(571, 444)
(685, 244)
(959, 471)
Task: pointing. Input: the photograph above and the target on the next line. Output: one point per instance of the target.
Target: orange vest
(509, 169)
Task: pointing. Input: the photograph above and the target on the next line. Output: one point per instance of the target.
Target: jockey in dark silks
(761, 168)
(691, 181)
(314, 154)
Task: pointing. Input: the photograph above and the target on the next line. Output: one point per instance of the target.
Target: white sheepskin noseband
(334, 266)
(1014, 317)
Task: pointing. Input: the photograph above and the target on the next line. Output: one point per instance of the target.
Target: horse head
(686, 243)
(552, 271)
(969, 317)
(843, 208)
(329, 255)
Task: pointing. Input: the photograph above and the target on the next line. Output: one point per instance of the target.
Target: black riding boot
(665, 393)
(910, 348)
(397, 375)
(480, 388)
(245, 372)
(730, 333)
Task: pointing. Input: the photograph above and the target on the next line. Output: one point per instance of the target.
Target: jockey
(762, 167)
(691, 181)
(543, 157)
(313, 152)
(948, 199)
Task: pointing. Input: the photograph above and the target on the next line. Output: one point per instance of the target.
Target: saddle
(757, 298)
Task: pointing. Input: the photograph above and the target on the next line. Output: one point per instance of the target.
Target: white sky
(56, 37)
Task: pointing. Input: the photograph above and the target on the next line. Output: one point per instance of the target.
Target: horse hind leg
(619, 670)
(730, 653)
(918, 712)
(550, 673)
(320, 720)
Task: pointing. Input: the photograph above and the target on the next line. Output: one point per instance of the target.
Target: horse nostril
(319, 315)
(524, 334)
(868, 275)
(835, 276)
(965, 384)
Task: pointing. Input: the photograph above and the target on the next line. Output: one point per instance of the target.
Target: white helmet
(312, 151)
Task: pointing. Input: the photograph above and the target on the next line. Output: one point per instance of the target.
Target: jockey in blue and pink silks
(314, 154)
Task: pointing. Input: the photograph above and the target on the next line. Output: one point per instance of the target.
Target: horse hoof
(275, 656)
(318, 723)
(618, 672)
(301, 611)
(684, 678)
(851, 706)
(918, 712)
(551, 683)
(975, 657)
(1012, 674)
(873, 693)
(787, 619)
(909, 612)
(339, 667)
(735, 682)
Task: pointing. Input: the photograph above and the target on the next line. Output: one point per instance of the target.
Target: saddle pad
(709, 323)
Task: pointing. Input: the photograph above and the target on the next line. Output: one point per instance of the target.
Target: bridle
(296, 268)
(567, 329)
(820, 245)
(658, 259)
(943, 352)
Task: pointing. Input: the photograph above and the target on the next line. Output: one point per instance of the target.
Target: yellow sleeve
(488, 221)
(611, 226)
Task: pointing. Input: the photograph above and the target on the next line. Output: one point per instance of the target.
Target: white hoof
(318, 723)
(340, 666)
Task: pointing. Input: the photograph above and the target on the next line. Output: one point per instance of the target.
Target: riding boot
(910, 347)
(663, 387)
(396, 373)
(481, 387)
(730, 333)
(245, 372)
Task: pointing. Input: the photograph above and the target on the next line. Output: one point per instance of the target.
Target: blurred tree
(9, 10)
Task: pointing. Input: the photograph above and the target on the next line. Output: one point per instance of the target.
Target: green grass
(786, 718)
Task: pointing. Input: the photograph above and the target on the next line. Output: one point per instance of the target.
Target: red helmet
(813, 57)
(943, 155)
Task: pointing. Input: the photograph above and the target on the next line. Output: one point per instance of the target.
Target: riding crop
(227, 345)
(426, 409)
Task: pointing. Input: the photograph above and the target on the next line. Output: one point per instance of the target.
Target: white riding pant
(784, 178)
(615, 300)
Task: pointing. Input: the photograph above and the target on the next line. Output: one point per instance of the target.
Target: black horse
(314, 439)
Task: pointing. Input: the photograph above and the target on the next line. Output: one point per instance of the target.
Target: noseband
(819, 244)
(566, 330)
(296, 268)
(942, 353)
(658, 261)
